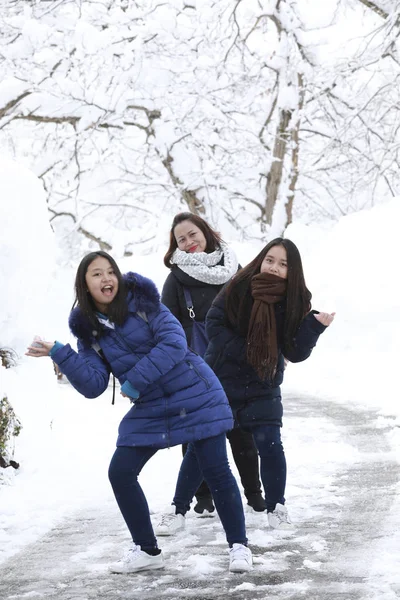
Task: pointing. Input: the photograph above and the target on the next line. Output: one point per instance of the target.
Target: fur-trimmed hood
(142, 296)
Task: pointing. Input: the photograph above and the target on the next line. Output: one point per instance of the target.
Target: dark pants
(273, 463)
(267, 439)
(245, 455)
(211, 462)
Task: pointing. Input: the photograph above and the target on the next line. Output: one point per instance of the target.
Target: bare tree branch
(374, 7)
(10, 105)
(91, 236)
(43, 119)
(61, 214)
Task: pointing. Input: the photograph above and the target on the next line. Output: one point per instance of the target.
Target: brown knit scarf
(262, 346)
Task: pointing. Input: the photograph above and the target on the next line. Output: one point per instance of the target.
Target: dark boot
(257, 502)
(204, 507)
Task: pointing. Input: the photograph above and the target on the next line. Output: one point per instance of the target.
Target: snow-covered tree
(246, 111)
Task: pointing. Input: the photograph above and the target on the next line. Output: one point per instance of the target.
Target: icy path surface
(345, 545)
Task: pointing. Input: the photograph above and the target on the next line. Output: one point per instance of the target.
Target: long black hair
(298, 297)
(117, 309)
(213, 238)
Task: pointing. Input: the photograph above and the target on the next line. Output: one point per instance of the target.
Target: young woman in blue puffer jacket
(123, 329)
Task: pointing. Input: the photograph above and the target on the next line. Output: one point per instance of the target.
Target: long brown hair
(213, 238)
(298, 297)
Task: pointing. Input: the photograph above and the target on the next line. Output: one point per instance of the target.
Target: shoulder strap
(189, 302)
(97, 348)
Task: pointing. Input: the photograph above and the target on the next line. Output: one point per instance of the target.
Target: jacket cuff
(57, 346)
(316, 325)
(129, 390)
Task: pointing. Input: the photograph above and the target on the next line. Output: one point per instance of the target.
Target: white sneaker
(240, 559)
(137, 560)
(170, 524)
(279, 519)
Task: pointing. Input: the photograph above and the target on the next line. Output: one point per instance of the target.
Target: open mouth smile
(107, 290)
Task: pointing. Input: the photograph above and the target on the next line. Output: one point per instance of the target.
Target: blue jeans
(267, 439)
(211, 463)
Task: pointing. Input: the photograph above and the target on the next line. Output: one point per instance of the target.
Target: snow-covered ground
(67, 440)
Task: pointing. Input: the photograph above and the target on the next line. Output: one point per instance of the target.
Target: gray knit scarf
(204, 267)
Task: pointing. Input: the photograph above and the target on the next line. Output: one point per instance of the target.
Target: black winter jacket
(253, 401)
(173, 297)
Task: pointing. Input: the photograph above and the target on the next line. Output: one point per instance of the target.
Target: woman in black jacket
(261, 318)
(202, 263)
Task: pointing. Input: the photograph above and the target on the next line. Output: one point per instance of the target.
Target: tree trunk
(295, 154)
(274, 177)
(194, 203)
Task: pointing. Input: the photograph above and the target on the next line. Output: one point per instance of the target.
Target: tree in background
(352, 158)
(10, 425)
(250, 112)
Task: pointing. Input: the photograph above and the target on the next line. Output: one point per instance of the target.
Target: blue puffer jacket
(253, 401)
(181, 400)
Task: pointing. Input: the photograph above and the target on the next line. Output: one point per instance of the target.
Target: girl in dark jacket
(260, 319)
(202, 263)
(122, 328)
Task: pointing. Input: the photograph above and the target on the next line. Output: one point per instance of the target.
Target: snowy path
(335, 553)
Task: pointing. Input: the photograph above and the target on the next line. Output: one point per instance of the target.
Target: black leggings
(246, 459)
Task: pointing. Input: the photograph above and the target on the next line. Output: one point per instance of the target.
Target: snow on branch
(253, 113)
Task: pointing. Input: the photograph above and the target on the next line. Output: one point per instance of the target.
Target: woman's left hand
(325, 318)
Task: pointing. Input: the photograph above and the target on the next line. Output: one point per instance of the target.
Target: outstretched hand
(325, 318)
(42, 349)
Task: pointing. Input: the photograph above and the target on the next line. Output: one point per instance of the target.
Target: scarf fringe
(262, 348)
(256, 348)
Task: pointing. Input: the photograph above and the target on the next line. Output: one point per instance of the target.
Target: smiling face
(189, 237)
(102, 283)
(275, 262)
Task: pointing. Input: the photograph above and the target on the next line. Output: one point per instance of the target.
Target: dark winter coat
(181, 400)
(173, 297)
(253, 401)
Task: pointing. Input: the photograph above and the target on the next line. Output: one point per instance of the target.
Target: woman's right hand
(325, 318)
(41, 348)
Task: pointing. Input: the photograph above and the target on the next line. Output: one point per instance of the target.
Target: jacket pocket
(199, 375)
